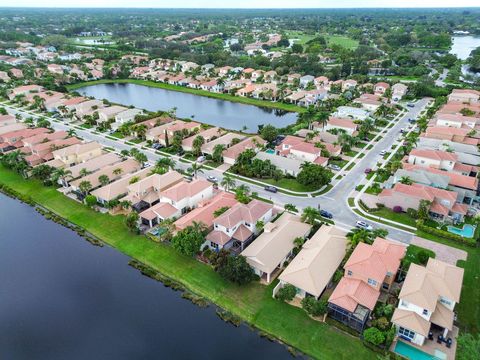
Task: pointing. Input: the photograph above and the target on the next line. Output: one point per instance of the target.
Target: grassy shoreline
(253, 303)
(226, 97)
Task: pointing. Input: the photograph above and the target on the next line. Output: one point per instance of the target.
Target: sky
(240, 3)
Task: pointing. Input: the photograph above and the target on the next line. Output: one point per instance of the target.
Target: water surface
(62, 298)
(226, 114)
(462, 46)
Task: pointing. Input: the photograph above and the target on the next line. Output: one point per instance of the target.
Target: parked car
(326, 214)
(411, 105)
(201, 159)
(363, 225)
(368, 171)
(212, 179)
(272, 189)
(180, 152)
(402, 130)
(188, 178)
(412, 121)
(334, 167)
(383, 152)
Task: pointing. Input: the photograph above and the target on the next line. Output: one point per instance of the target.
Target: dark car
(272, 189)
(326, 214)
(368, 171)
(411, 105)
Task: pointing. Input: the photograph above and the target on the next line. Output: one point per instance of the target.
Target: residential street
(334, 201)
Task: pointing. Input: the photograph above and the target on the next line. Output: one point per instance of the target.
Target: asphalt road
(335, 201)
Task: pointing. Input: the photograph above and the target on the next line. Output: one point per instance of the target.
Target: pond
(462, 46)
(226, 114)
(62, 298)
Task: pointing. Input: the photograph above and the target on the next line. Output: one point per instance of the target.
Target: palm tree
(71, 132)
(84, 172)
(310, 215)
(359, 235)
(166, 162)
(197, 145)
(227, 182)
(322, 118)
(103, 179)
(195, 169)
(406, 180)
(298, 242)
(85, 186)
(125, 204)
(117, 171)
(61, 174)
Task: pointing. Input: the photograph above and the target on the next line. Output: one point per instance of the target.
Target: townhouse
(43, 152)
(207, 135)
(112, 172)
(94, 164)
(225, 140)
(381, 88)
(438, 159)
(146, 192)
(351, 112)
(235, 228)
(369, 270)
(164, 133)
(177, 199)
(119, 188)
(231, 154)
(269, 251)
(427, 301)
(126, 116)
(106, 114)
(335, 123)
(13, 140)
(312, 270)
(443, 204)
(399, 90)
(205, 211)
(467, 187)
(464, 96)
(297, 148)
(78, 153)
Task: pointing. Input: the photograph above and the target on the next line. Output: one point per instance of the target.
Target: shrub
(374, 336)
(314, 307)
(444, 234)
(388, 310)
(422, 257)
(90, 200)
(237, 270)
(382, 323)
(397, 209)
(286, 293)
(412, 213)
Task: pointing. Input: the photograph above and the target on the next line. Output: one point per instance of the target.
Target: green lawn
(253, 302)
(227, 97)
(344, 41)
(290, 184)
(402, 218)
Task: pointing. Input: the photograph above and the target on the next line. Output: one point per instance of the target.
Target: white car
(363, 225)
(212, 179)
(383, 152)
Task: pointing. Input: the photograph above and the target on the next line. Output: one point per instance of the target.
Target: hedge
(445, 234)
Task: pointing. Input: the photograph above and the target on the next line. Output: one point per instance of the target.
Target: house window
(406, 333)
(349, 273)
(372, 282)
(213, 245)
(425, 312)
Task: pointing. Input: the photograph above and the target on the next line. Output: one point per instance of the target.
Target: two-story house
(236, 228)
(427, 301)
(370, 269)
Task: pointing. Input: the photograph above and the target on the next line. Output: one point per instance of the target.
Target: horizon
(245, 5)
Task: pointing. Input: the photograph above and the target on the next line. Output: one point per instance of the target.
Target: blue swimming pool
(270, 151)
(467, 231)
(412, 353)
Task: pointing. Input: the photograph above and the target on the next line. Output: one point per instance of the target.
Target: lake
(62, 298)
(462, 46)
(226, 114)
